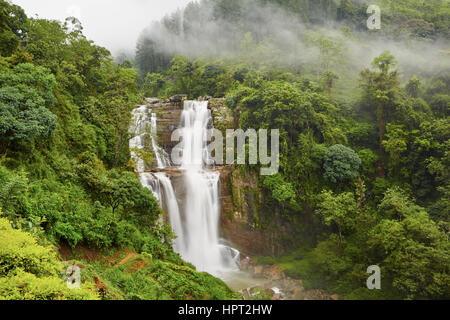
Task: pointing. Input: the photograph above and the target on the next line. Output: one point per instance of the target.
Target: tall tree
(380, 87)
(26, 94)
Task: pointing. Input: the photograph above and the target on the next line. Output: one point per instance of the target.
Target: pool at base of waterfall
(240, 280)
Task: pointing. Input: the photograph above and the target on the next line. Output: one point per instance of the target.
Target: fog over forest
(287, 38)
(98, 195)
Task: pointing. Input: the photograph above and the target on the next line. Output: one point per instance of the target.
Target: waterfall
(150, 181)
(171, 205)
(138, 130)
(142, 128)
(202, 204)
(196, 223)
(195, 120)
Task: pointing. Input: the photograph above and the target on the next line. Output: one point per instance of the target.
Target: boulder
(178, 98)
(152, 100)
(273, 273)
(258, 271)
(270, 292)
(276, 296)
(298, 294)
(245, 263)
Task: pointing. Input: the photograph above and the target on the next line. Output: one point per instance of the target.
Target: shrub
(29, 271)
(341, 163)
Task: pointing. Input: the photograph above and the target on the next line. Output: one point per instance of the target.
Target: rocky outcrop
(277, 286)
(222, 115)
(168, 114)
(239, 212)
(241, 199)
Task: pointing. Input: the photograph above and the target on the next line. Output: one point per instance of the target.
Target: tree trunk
(381, 124)
(116, 154)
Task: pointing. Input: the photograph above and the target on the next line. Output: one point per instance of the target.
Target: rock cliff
(168, 114)
(243, 222)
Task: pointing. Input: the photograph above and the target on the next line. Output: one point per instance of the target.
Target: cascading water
(197, 225)
(138, 130)
(202, 204)
(171, 205)
(150, 181)
(142, 127)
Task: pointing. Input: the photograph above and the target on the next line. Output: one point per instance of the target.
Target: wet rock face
(240, 202)
(242, 198)
(168, 114)
(178, 98)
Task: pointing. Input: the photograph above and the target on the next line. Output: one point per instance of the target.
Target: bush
(281, 191)
(341, 164)
(26, 93)
(29, 271)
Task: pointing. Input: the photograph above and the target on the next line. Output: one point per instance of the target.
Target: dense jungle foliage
(364, 163)
(66, 179)
(364, 149)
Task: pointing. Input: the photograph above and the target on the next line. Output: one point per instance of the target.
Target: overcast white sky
(115, 24)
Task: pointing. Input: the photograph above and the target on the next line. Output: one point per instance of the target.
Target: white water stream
(197, 226)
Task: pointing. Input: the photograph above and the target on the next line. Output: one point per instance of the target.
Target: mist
(283, 39)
